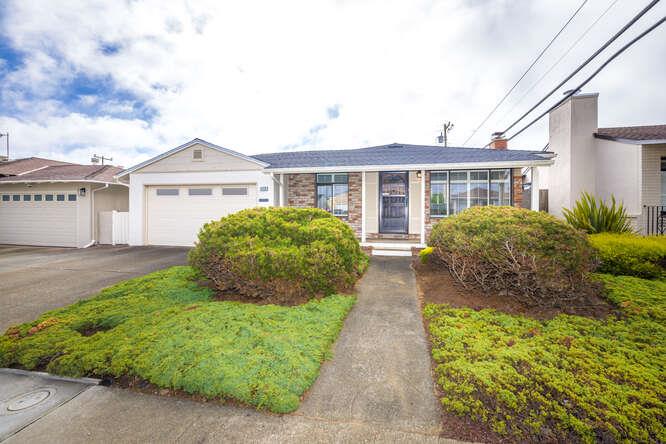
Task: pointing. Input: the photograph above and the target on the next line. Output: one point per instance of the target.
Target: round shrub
(529, 255)
(284, 254)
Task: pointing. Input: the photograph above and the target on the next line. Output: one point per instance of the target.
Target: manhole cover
(30, 399)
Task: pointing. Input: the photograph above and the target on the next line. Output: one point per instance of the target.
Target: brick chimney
(499, 142)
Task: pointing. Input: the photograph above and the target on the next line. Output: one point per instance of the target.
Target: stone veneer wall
(301, 193)
(517, 190)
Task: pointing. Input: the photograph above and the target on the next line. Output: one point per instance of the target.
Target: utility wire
(593, 75)
(586, 62)
(526, 71)
(582, 36)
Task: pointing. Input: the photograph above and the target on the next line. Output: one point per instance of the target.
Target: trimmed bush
(595, 216)
(529, 255)
(280, 253)
(631, 255)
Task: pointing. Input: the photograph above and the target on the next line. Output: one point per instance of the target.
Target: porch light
(82, 192)
(418, 174)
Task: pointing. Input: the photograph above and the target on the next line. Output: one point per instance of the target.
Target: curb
(16, 371)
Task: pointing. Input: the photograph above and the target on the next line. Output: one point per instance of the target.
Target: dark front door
(393, 202)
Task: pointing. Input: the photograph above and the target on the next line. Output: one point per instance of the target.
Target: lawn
(168, 330)
(569, 378)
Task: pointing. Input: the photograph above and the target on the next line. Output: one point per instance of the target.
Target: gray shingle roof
(395, 154)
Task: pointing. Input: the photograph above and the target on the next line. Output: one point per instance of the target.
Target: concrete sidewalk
(377, 388)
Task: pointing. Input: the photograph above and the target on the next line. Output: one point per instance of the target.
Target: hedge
(631, 255)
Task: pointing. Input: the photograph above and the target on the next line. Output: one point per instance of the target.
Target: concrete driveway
(36, 279)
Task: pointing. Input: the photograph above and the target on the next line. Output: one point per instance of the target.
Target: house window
(200, 191)
(167, 191)
(5, 197)
(453, 191)
(48, 197)
(27, 198)
(60, 197)
(478, 188)
(38, 197)
(16, 197)
(663, 180)
(71, 197)
(500, 187)
(458, 189)
(439, 193)
(234, 191)
(197, 154)
(333, 193)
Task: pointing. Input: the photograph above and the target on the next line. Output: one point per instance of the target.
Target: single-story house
(386, 193)
(628, 163)
(50, 203)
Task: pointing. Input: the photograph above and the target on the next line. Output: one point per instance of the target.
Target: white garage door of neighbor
(175, 214)
(46, 218)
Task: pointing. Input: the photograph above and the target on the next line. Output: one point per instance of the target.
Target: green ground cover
(570, 378)
(165, 328)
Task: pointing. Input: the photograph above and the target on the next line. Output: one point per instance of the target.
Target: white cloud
(257, 76)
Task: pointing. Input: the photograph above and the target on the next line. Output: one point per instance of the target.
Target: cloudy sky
(132, 79)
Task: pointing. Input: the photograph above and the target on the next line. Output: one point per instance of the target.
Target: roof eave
(405, 167)
(185, 146)
(61, 181)
(631, 141)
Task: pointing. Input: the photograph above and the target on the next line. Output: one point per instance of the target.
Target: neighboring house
(626, 162)
(27, 165)
(52, 203)
(385, 193)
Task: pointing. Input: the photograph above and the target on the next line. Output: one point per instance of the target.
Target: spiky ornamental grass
(593, 215)
(571, 378)
(164, 328)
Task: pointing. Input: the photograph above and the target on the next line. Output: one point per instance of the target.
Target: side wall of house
(651, 185)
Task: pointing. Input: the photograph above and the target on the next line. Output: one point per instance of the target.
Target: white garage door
(38, 218)
(175, 214)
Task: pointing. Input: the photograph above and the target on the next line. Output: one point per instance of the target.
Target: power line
(526, 71)
(586, 62)
(593, 75)
(582, 36)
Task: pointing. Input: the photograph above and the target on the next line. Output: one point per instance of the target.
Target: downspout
(92, 218)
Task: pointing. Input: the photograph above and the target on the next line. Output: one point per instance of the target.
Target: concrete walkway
(377, 388)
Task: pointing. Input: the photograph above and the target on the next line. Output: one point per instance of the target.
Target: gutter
(62, 181)
(547, 161)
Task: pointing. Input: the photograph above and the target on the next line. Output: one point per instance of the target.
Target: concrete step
(391, 252)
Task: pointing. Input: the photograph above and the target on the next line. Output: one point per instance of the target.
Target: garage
(56, 205)
(175, 214)
(39, 217)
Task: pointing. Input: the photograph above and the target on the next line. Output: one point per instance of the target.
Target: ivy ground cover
(568, 379)
(167, 329)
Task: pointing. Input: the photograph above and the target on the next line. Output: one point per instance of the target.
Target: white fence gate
(113, 227)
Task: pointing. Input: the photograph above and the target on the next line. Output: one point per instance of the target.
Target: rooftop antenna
(95, 159)
(444, 133)
(7, 139)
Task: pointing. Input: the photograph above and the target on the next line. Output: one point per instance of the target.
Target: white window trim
(469, 183)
